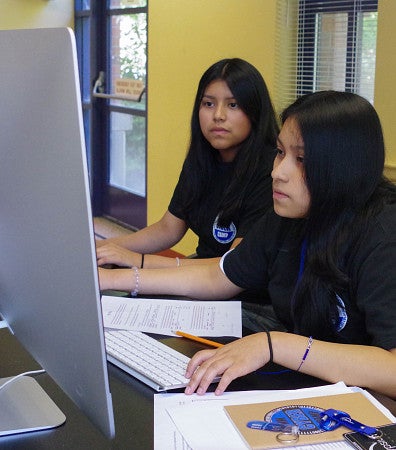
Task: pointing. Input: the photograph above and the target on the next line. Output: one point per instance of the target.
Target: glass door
(117, 51)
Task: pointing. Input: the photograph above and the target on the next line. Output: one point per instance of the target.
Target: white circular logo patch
(224, 235)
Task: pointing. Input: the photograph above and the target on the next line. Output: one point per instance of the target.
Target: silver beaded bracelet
(135, 292)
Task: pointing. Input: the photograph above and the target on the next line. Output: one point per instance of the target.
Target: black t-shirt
(213, 240)
(269, 258)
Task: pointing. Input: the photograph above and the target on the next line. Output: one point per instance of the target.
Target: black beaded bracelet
(271, 351)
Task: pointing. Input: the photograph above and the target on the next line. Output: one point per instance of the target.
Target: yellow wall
(185, 37)
(183, 43)
(385, 91)
(36, 13)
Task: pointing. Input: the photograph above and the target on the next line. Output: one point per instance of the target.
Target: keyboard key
(163, 366)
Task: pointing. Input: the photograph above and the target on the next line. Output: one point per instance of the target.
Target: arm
(367, 366)
(114, 254)
(156, 237)
(360, 365)
(205, 281)
(111, 253)
(159, 236)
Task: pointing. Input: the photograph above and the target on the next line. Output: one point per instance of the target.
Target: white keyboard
(147, 359)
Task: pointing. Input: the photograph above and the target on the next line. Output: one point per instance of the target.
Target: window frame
(307, 40)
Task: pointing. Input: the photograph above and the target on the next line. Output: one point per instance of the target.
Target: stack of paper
(201, 422)
(164, 316)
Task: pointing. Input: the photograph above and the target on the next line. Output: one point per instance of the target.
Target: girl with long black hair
(225, 183)
(326, 254)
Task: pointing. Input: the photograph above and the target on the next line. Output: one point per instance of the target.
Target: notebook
(304, 413)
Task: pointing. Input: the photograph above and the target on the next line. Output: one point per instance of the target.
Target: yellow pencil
(198, 339)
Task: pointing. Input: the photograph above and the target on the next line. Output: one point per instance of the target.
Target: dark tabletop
(132, 402)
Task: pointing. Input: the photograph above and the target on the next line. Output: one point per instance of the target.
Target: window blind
(325, 45)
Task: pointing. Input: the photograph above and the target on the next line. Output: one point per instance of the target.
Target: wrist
(122, 280)
(291, 350)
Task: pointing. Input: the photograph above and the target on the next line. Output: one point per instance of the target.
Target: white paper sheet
(163, 316)
(200, 423)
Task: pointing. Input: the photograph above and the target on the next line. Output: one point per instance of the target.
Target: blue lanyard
(303, 254)
(330, 420)
(333, 418)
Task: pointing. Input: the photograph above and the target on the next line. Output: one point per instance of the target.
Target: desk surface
(132, 402)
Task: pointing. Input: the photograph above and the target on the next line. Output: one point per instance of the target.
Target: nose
(279, 169)
(219, 113)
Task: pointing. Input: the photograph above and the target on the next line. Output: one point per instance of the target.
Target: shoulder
(372, 281)
(272, 231)
(382, 226)
(375, 249)
(386, 220)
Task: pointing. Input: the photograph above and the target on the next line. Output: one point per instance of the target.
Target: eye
(207, 103)
(279, 152)
(233, 105)
(300, 159)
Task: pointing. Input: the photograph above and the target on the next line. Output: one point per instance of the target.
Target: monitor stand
(25, 407)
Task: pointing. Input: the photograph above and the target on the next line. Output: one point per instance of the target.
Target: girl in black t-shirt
(326, 254)
(225, 183)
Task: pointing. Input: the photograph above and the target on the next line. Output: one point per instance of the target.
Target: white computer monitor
(49, 292)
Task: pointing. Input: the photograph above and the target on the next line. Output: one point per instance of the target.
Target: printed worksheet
(163, 316)
(199, 422)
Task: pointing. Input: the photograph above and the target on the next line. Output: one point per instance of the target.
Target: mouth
(278, 195)
(219, 130)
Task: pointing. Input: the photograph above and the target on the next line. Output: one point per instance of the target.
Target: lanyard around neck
(302, 259)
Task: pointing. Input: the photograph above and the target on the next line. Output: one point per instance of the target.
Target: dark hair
(343, 161)
(251, 93)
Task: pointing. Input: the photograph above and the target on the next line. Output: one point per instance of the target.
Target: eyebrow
(213, 96)
(295, 147)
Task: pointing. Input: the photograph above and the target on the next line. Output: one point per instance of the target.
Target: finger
(225, 381)
(105, 258)
(100, 252)
(205, 374)
(100, 260)
(197, 360)
(200, 381)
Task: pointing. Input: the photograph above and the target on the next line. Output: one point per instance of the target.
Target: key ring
(288, 437)
(288, 434)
